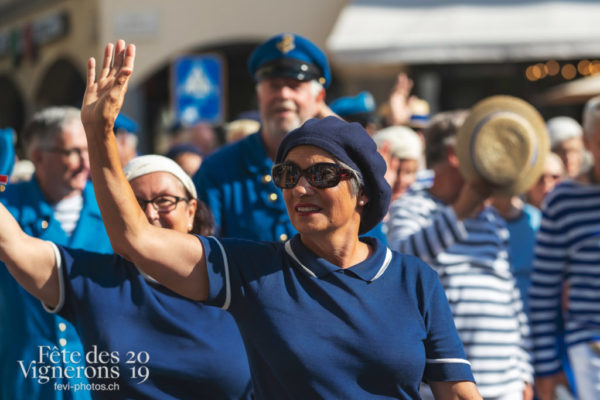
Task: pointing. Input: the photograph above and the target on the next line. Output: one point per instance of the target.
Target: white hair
(356, 183)
(46, 125)
(404, 142)
(561, 129)
(316, 87)
(591, 116)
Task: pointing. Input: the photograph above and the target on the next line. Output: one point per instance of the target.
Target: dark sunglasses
(321, 175)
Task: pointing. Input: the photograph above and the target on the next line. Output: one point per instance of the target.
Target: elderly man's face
(63, 168)
(592, 144)
(287, 103)
(571, 153)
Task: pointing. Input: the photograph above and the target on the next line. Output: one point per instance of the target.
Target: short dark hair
(441, 133)
(204, 222)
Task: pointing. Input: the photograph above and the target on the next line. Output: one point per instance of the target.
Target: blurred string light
(567, 71)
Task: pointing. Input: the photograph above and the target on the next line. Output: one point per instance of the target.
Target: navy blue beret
(123, 122)
(292, 56)
(352, 145)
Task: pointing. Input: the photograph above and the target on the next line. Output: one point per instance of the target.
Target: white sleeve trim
(61, 283)
(227, 302)
(447, 361)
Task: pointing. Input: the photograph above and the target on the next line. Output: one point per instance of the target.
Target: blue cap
(123, 122)
(292, 56)
(359, 108)
(352, 145)
(362, 103)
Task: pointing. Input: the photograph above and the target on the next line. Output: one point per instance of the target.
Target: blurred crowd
(516, 244)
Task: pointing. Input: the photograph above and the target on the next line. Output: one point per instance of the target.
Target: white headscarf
(150, 163)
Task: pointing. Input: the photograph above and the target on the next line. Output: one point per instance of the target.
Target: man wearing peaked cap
(291, 56)
(291, 74)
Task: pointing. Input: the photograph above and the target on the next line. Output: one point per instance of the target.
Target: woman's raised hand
(104, 95)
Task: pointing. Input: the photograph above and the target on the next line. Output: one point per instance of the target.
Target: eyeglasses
(163, 203)
(68, 153)
(321, 175)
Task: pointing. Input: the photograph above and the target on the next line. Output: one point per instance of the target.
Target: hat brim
(479, 112)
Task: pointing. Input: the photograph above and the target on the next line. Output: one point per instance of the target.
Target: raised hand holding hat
(504, 142)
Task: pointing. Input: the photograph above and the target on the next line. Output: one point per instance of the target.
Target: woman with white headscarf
(156, 344)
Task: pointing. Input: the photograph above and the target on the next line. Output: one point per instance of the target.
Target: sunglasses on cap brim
(321, 175)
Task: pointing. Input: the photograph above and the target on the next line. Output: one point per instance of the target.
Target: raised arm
(173, 258)
(29, 260)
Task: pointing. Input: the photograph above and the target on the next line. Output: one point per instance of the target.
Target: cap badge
(286, 44)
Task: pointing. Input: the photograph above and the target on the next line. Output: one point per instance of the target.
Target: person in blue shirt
(323, 315)
(291, 74)
(161, 345)
(57, 204)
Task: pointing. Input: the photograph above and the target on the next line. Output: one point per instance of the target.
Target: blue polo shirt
(314, 330)
(186, 349)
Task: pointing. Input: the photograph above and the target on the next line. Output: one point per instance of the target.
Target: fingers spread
(119, 55)
(91, 71)
(127, 68)
(106, 63)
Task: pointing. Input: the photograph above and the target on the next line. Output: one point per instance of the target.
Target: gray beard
(278, 131)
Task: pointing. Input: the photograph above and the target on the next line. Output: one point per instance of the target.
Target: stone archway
(62, 84)
(12, 107)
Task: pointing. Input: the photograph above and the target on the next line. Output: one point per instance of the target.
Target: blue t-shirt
(521, 243)
(186, 349)
(314, 330)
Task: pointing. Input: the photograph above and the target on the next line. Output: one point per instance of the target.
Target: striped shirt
(471, 259)
(67, 212)
(567, 252)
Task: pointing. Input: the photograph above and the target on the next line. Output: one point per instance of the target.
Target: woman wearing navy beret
(141, 340)
(325, 315)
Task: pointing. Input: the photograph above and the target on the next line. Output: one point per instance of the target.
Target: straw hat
(503, 141)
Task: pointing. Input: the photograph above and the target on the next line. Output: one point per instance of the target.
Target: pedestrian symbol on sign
(198, 89)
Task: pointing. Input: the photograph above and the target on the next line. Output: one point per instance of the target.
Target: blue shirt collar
(315, 266)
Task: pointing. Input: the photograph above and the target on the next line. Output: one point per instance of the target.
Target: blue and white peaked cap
(292, 56)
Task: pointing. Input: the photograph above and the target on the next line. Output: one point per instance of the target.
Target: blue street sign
(198, 89)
